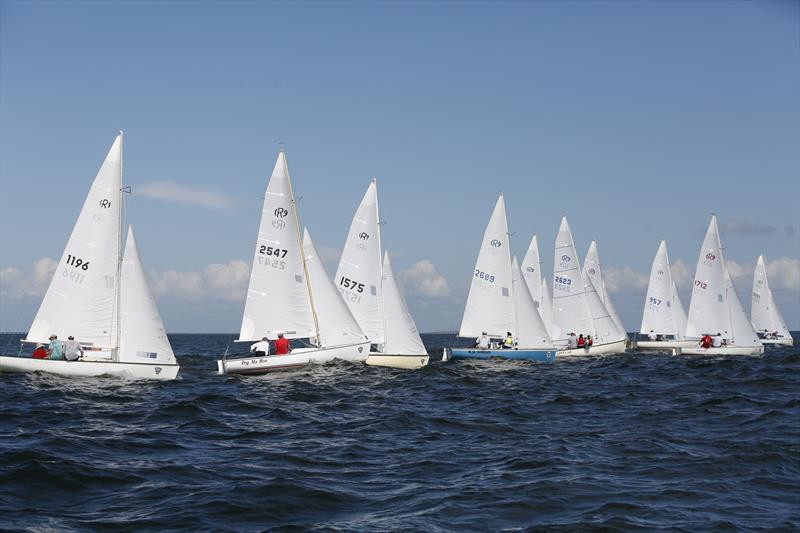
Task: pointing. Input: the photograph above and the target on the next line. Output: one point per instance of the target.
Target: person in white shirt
(72, 349)
(261, 348)
(652, 336)
(716, 342)
(572, 341)
(482, 342)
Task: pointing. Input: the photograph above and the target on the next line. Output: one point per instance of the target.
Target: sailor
(652, 336)
(482, 342)
(261, 348)
(40, 352)
(281, 345)
(589, 341)
(581, 341)
(706, 341)
(508, 342)
(55, 350)
(572, 341)
(717, 340)
(72, 349)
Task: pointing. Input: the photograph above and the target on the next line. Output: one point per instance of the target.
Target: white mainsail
(401, 335)
(532, 270)
(528, 326)
(82, 299)
(546, 308)
(337, 326)
(764, 313)
(571, 311)
(142, 335)
(489, 304)
(278, 297)
(358, 277)
(663, 311)
(715, 307)
(594, 270)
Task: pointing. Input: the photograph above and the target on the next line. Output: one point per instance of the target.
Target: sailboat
(715, 306)
(104, 302)
(291, 293)
(592, 267)
(499, 300)
(368, 286)
(664, 314)
(764, 313)
(577, 308)
(532, 272)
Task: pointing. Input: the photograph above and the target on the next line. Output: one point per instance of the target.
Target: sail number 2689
(484, 275)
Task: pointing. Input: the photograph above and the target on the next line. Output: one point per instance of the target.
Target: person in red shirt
(706, 341)
(581, 341)
(281, 345)
(40, 352)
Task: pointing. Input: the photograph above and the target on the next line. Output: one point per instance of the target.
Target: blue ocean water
(630, 442)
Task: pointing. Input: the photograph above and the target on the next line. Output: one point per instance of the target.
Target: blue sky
(636, 118)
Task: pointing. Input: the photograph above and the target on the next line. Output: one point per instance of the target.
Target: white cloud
(169, 191)
(784, 273)
(223, 282)
(17, 285)
(624, 279)
(422, 279)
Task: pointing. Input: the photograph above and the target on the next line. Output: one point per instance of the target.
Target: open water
(630, 442)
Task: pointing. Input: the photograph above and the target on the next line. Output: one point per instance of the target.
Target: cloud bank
(422, 279)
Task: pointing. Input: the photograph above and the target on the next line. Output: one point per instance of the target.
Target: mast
(119, 247)
(302, 249)
(380, 255)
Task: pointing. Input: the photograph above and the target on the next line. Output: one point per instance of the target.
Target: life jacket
(581, 342)
(706, 342)
(509, 342)
(589, 342)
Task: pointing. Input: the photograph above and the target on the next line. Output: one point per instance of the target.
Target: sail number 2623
(484, 275)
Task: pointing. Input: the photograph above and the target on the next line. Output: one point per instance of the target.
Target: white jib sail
(764, 314)
(571, 312)
(401, 335)
(142, 336)
(742, 332)
(489, 306)
(593, 268)
(358, 277)
(82, 298)
(278, 296)
(337, 326)
(605, 330)
(532, 270)
(708, 308)
(680, 312)
(528, 327)
(660, 313)
(546, 309)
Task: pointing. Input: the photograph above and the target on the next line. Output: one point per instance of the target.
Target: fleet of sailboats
(100, 295)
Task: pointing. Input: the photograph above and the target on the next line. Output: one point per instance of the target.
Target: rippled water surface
(635, 442)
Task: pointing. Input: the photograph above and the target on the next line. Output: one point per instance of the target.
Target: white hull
(597, 349)
(782, 342)
(410, 362)
(662, 345)
(724, 350)
(297, 358)
(89, 368)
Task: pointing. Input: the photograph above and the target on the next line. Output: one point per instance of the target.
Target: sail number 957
(484, 275)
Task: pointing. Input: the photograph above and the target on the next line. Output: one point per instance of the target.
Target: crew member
(55, 350)
(508, 342)
(261, 348)
(281, 345)
(72, 349)
(482, 342)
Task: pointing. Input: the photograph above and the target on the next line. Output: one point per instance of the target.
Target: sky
(637, 119)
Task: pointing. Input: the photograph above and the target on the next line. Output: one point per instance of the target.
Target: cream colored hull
(724, 350)
(89, 368)
(297, 358)
(782, 342)
(661, 345)
(597, 349)
(410, 362)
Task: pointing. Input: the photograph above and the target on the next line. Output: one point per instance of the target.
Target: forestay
(358, 277)
(82, 298)
(764, 314)
(570, 305)
(142, 335)
(528, 326)
(489, 306)
(401, 335)
(337, 326)
(278, 297)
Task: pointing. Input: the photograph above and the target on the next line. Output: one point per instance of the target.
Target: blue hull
(533, 355)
